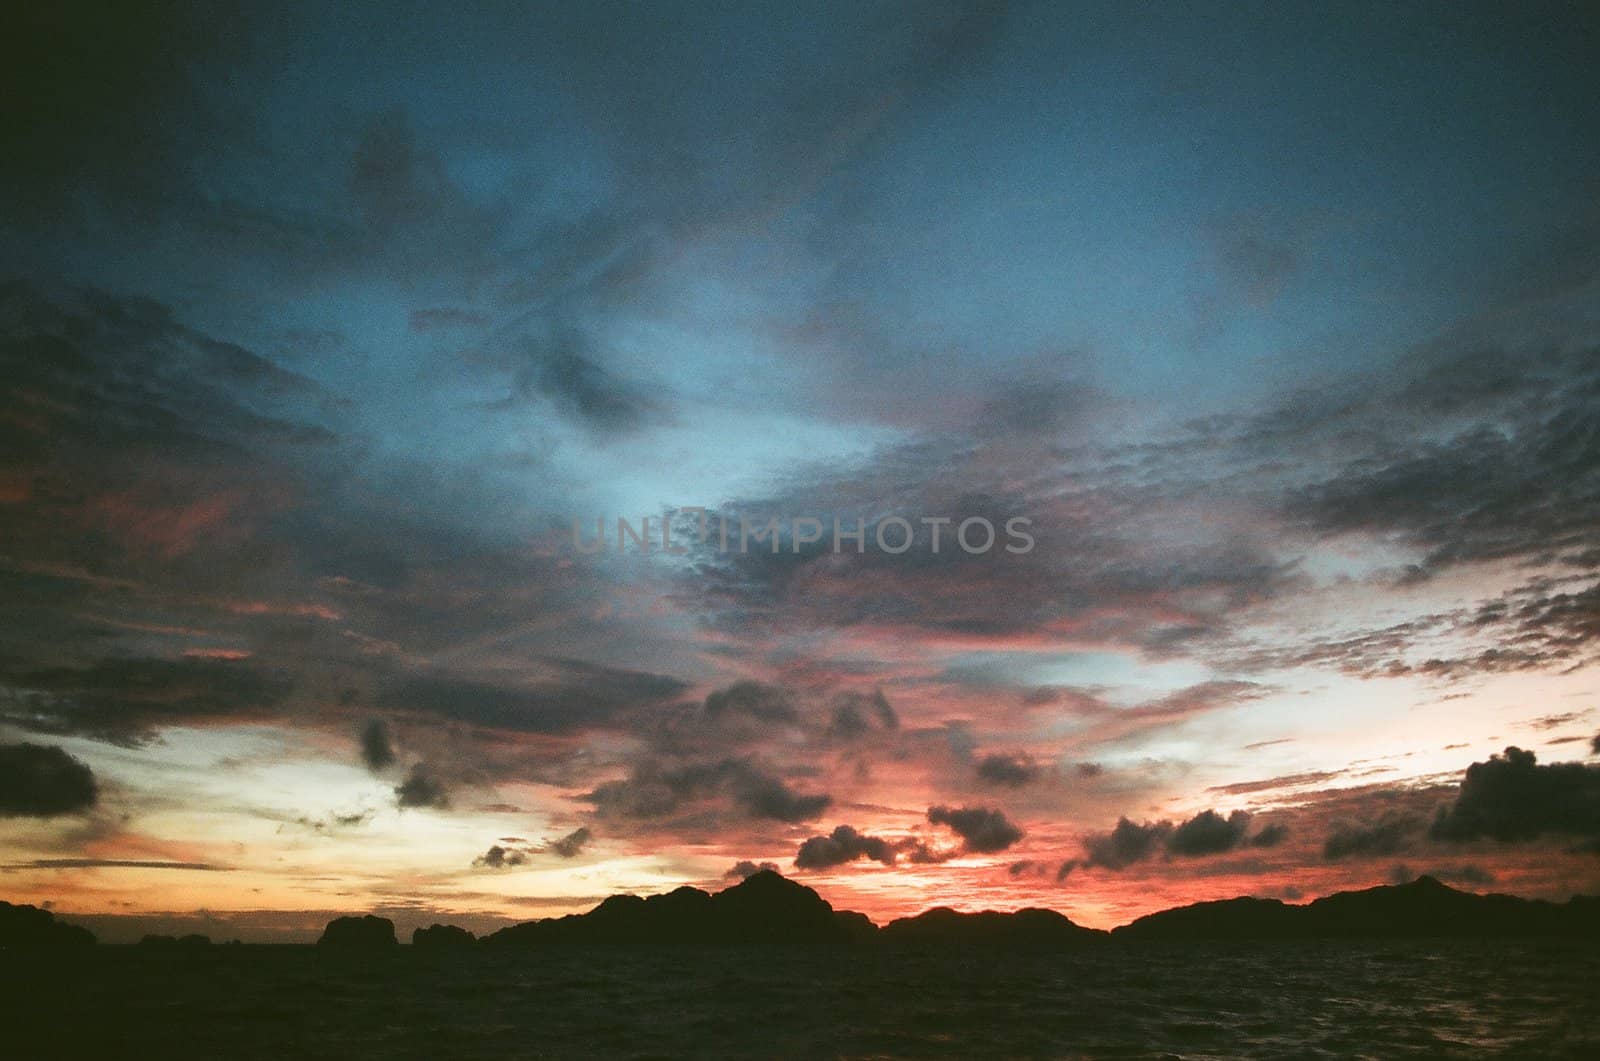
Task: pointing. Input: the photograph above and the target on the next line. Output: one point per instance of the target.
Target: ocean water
(1388, 1000)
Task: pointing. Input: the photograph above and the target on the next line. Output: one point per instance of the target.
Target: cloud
(1309, 777)
(1126, 844)
(377, 747)
(1013, 770)
(570, 845)
(499, 857)
(982, 830)
(843, 845)
(655, 791)
(1270, 835)
(1520, 434)
(584, 387)
(565, 695)
(38, 781)
(1512, 798)
(122, 699)
(1208, 833)
(116, 863)
(1389, 835)
(756, 700)
(856, 714)
(421, 788)
(1548, 722)
(513, 851)
(746, 868)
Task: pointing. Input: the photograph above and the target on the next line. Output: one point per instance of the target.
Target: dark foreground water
(1277, 1000)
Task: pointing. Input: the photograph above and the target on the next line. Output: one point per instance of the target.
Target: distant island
(768, 908)
(29, 926)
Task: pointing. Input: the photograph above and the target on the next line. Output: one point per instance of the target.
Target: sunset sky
(320, 326)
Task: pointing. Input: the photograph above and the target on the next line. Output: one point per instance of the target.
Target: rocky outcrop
(29, 926)
(1423, 908)
(1024, 929)
(358, 933)
(765, 908)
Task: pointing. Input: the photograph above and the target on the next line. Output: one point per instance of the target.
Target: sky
(323, 328)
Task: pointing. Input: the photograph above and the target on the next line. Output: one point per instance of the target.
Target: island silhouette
(768, 908)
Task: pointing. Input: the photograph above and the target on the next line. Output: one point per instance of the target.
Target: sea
(1245, 1000)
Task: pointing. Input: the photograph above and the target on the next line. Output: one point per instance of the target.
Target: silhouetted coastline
(768, 908)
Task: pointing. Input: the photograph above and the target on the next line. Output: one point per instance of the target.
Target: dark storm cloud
(1270, 835)
(574, 695)
(843, 845)
(1209, 833)
(1039, 406)
(566, 373)
(1161, 550)
(1513, 798)
(1470, 457)
(571, 845)
(123, 700)
(1389, 835)
(184, 548)
(1086, 573)
(513, 851)
(377, 746)
(654, 791)
(1512, 479)
(764, 796)
(1013, 770)
(175, 106)
(111, 378)
(982, 830)
(116, 863)
(422, 788)
(500, 857)
(1125, 844)
(38, 781)
(856, 714)
(756, 700)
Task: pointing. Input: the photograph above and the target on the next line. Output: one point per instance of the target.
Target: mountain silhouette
(769, 908)
(442, 937)
(29, 926)
(358, 933)
(1030, 928)
(765, 908)
(1425, 907)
